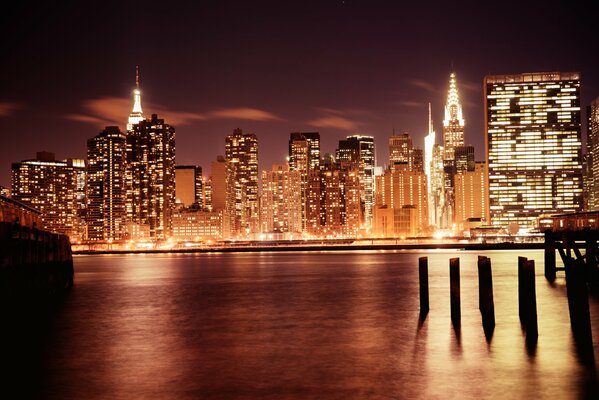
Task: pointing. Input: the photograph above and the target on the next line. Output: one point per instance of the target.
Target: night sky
(338, 67)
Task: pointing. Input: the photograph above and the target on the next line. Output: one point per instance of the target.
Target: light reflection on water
(306, 325)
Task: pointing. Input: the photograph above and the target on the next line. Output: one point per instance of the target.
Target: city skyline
(354, 69)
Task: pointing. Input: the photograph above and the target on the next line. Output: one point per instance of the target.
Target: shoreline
(309, 248)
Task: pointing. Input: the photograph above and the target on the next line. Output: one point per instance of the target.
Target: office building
(592, 181)
(533, 146)
(471, 200)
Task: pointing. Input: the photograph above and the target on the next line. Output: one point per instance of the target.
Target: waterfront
(300, 325)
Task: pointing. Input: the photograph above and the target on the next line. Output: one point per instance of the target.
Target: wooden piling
(423, 274)
(485, 292)
(578, 301)
(454, 282)
(530, 300)
(550, 268)
(521, 300)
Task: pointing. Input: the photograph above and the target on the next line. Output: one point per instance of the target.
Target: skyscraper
(241, 154)
(533, 146)
(280, 205)
(151, 177)
(50, 186)
(400, 148)
(106, 211)
(453, 136)
(593, 154)
(471, 194)
(433, 169)
(357, 152)
(304, 156)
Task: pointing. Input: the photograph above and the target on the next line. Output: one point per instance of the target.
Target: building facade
(188, 185)
(281, 200)
(592, 181)
(106, 210)
(533, 146)
(50, 186)
(471, 190)
(241, 211)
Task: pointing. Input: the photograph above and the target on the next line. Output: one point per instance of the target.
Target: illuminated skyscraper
(136, 113)
(280, 205)
(50, 186)
(533, 146)
(401, 187)
(593, 154)
(400, 148)
(151, 178)
(241, 154)
(471, 194)
(453, 136)
(357, 152)
(106, 211)
(433, 169)
(464, 158)
(304, 156)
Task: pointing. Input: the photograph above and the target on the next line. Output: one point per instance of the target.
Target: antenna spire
(137, 76)
(430, 119)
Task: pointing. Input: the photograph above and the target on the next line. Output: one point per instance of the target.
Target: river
(308, 325)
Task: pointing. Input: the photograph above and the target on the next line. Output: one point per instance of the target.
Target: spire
(136, 114)
(453, 108)
(430, 119)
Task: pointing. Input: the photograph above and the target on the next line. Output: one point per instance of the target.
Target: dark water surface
(299, 325)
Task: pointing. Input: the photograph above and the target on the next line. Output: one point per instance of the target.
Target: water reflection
(307, 325)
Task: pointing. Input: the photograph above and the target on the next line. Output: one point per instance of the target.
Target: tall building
(398, 188)
(433, 169)
(106, 211)
(471, 194)
(464, 158)
(137, 114)
(357, 152)
(453, 136)
(281, 201)
(218, 184)
(188, 185)
(593, 154)
(533, 146)
(50, 186)
(304, 156)
(150, 174)
(241, 154)
(400, 148)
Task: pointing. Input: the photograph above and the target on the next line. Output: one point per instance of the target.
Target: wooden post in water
(485, 292)
(530, 300)
(423, 274)
(521, 300)
(454, 282)
(578, 301)
(549, 256)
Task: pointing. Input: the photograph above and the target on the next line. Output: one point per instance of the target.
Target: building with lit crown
(533, 146)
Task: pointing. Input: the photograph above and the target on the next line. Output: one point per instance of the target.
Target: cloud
(334, 119)
(244, 113)
(7, 109)
(410, 104)
(470, 86)
(115, 110)
(429, 87)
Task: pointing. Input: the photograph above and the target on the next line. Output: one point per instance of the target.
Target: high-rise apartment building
(50, 186)
(304, 156)
(281, 201)
(357, 152)
(533, 146)
(106, 210)
(150, 174)
(593, 155)
(241, 154)
(188, 185)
